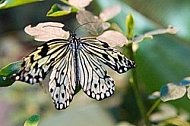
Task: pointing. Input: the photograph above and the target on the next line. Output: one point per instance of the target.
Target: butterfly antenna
(82, 25)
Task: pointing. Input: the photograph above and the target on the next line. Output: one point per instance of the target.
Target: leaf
(7, 71)
(169, 30)
(166, 111)
(172, 91)
(47, 31)
(110, 12)
(4, 4)
(92, 23)
(80, 3)
(188, 92)
(60, 10)
(150, 34)
(154, 95)
(113, 38)
(130, 25)
(141, 38)
(33, 120)
(185, 81)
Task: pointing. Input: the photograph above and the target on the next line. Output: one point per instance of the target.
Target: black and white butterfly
(74, 62)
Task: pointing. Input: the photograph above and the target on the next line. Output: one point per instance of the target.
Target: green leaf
(130, 25)
(185, 81)
(59, 10)
(164, 112)
(6, 72)
(4, 4)
(33, 120)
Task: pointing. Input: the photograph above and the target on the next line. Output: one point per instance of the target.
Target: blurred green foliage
(159, 61)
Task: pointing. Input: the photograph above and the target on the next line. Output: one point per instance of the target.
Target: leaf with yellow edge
(4, 4)
(33, 120)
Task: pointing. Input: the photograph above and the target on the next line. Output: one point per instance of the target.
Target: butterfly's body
(75, 48)
(74, 62)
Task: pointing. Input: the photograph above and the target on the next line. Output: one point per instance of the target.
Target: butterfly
(74, 62)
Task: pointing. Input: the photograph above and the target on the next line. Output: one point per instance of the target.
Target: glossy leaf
(185, 81)
(7, 71)
(172, 92)
(130, 25)
(32, 121)
(60, 10)
(4, 4)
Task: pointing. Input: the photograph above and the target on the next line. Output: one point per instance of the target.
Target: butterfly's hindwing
(62, 83)
(94, 79)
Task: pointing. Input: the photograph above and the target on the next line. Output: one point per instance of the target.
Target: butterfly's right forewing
(108, 55)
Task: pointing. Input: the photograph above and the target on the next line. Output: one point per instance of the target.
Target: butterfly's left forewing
(37, 64)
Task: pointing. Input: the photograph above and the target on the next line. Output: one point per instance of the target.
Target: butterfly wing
(94, 80)
(107, 55)
(37, 64)
(62, 82)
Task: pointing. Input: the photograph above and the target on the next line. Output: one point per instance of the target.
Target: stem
(134, 84)
(153, 107)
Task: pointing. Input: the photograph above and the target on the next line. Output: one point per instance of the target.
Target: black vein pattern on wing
(107, 55)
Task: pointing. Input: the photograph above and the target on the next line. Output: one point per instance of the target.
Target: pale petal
(79, 3)
(47, 31)
(110, 12)
(113, 38)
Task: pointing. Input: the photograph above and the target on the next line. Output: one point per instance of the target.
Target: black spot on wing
(120, 58)
(44, 50)
(36, 66)
(63, 95)
(106, 57)
(23, 63)
(95, 85)
(115, 59)
(57, 95)
(105, 45)
(32, 59)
